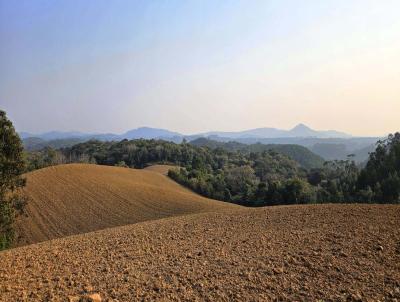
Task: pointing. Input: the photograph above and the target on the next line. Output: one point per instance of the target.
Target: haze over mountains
(300, 130)
(328, 144)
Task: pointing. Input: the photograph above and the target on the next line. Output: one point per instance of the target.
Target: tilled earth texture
(79, 198)
(162, 169)
(285, 253)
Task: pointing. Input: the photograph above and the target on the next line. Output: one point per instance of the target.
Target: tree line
(266, 179)
(251, 178)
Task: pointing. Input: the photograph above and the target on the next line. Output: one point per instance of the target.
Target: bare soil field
(162, 169)
(79, 198)
(283, 253)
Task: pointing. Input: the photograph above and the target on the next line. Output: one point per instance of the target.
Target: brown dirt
(296, 253)
(79, 198)
(162, 169)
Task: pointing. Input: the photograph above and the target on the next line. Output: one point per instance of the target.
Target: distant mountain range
(143, 132)
(300, 130)
(327, 144)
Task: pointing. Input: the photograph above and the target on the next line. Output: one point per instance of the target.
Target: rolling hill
(137, 235)
(78, 198)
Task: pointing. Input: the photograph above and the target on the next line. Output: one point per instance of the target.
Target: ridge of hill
(162, 169)
(78, 198)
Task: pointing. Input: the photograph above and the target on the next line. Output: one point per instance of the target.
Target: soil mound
(78, 198)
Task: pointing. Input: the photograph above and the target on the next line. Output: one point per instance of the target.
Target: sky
(196, 66)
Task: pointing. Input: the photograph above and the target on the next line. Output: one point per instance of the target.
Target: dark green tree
(298, 191)
(12, 165)
(382, 171)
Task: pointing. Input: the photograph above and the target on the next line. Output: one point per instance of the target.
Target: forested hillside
(36, 143)
(251, 175)
(340, 151)
(380, 179)
(300, 154)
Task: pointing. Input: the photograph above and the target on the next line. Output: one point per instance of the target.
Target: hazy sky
(193, 66)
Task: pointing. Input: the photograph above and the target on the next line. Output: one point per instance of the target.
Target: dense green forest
(252, 175)
(380, 179)
(300, 154)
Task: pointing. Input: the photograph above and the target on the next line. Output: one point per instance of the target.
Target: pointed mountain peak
(301, 126)
(302, 130)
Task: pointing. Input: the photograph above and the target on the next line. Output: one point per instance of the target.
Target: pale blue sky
(193, 66)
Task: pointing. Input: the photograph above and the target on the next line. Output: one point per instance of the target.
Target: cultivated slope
(292, 253)
(78, 198)
(162, 169)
